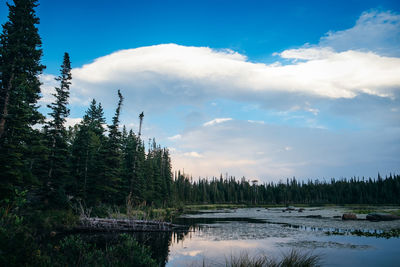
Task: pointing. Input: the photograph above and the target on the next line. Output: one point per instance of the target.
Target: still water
(215, 236)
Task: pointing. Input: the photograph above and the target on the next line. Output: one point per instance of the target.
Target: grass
(363, 211)
(145, 213)
(291, 259)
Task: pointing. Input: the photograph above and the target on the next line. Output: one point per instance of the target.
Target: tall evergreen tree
(20, 53)
(86, 147)
(138, 181)
(58, 169)
(110, 163)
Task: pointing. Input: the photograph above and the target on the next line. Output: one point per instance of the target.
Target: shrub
(73, 251)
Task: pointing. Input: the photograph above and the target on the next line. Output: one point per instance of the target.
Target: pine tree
(110, 163)
(138, 183)
(86, 147)
(166, 174)
(58, 169)
(20, 66)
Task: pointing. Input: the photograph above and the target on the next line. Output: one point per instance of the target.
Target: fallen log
(127, 225)
(376, 217)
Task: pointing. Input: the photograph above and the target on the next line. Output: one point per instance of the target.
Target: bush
(17, 243)
(73, 251)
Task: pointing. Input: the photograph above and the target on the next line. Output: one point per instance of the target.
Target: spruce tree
(86, 147)
(58, 169)
(20, 53)
(167, 174)
(110, 162)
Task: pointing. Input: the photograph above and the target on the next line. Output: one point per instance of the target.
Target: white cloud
(72, 121)
(216, 121)
(312, 53)
(68, 122)
(160, 76)
(260, 122)
(47, 89)
(192, 154)
(157, 77)
(175, 137)
(374, 31)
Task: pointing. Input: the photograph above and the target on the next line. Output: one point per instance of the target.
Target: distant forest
(343, 191)
(98, 164)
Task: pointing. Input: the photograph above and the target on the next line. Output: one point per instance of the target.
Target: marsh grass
(293, 258)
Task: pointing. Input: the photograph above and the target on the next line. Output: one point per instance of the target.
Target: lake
(215, 236)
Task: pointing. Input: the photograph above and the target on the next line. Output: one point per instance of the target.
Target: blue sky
(264, 89)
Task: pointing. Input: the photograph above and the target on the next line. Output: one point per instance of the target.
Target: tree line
(343, 191)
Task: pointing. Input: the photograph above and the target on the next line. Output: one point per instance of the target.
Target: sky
(262, 89)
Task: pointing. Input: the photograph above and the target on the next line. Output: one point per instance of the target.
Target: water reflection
(213, 237)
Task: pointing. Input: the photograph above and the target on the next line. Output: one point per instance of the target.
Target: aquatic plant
(290, 259)
(384, 234)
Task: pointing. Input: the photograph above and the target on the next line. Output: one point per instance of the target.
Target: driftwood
(376, 217)
(127, 225)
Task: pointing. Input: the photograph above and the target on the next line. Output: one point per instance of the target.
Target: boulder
(376, 217)
(301, 210)
(349, 216)
(314, 216)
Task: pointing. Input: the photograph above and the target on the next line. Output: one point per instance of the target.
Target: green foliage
(74, 251)
(46, 221)
(58, 170)
(86, 159)
(363, 211)
(17, 243)
(24, 240)
(20, 66)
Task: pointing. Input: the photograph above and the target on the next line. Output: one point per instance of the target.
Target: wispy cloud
(377, 31)
(216, 121)
(193, 154)
(175, 137)
(260, 122)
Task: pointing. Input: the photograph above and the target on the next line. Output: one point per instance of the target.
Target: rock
(349, 216)
(301, 210)
(376, 217)
(337, 216)
(314, 216)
